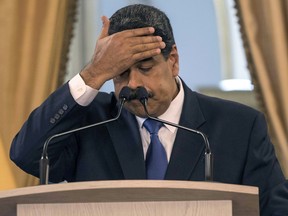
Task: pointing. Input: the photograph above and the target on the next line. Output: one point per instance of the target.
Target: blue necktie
(156, 158)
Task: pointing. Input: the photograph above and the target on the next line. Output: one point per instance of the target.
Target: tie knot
(152, 126)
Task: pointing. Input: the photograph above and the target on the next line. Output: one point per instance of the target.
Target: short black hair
(138, 16)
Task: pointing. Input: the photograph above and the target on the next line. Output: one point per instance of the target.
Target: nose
(135, 79)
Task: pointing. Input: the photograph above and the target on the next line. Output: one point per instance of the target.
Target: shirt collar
(173, 113)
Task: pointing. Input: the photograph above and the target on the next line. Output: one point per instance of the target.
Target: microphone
(124, 95)
(142, 96)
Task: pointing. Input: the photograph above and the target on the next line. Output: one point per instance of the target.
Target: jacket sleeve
(58, 113)
(263, 170)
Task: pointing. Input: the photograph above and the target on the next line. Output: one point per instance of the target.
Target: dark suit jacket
(243, 153)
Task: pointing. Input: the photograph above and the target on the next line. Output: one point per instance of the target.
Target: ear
(173, 59)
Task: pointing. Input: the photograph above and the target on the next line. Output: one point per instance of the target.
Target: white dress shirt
(84, 95)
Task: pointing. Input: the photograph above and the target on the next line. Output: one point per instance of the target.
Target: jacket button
(61, 111)
(57, 116)
(65, 107)
(52, 120)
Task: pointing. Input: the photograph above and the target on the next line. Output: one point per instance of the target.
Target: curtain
(264, 27)
(34, 42)
(6, 177)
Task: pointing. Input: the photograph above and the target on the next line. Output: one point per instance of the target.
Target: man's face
(157, 75)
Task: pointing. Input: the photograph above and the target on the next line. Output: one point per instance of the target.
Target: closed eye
(144, 69)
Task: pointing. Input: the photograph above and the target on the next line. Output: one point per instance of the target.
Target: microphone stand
(142, 95)
(44, 161)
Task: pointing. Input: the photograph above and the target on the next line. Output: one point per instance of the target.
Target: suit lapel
(127, 142)
(188, 147)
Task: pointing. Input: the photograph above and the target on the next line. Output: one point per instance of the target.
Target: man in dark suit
(137, 48)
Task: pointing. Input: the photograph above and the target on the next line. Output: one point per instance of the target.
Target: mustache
(133, 95)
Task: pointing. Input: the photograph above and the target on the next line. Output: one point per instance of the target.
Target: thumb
(105, 27)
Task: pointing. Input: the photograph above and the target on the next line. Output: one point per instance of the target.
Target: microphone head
(125, 93)
(142, 94)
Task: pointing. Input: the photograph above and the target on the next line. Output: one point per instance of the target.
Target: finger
(145, 40)
(148, 46)
(105, 27)
(139, 32)
(145, 55)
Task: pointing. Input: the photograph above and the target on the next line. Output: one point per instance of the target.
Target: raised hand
(114, 54)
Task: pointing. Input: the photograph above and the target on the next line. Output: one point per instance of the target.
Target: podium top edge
(132, 184)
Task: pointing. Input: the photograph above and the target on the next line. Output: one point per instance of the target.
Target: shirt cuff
(82, 93)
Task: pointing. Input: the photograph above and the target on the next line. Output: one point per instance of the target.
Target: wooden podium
(131, 197)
